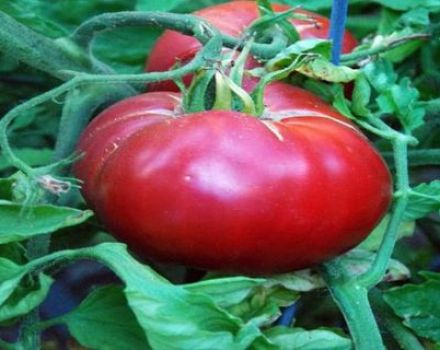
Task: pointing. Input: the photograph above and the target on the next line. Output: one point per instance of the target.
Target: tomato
(227, 191)
(230, 18)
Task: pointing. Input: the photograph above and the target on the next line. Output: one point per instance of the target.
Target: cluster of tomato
(228, 191)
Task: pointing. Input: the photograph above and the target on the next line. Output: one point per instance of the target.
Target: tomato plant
(258, 206)
(270, 179)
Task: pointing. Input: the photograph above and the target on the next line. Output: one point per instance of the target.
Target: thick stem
(352, 300)
(186, 24)
(34, 49)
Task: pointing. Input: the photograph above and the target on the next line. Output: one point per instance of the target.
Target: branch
(386, 45)
(36, 50)
(186, 24)
(352, 300)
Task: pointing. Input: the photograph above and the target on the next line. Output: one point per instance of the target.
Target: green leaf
(307, 4)
(299, 281)
(262, 307)
(416, 17)
(359, 260)
(6, 185)
(157, 5)
(226, 291)
(25, 298)
(258, 300)
(289, 54)
(388, 21)
(404, 5)
(10, 276)
(29, 13)
(320, 88)
(319, 68)
(31, 156)
(361, 96)
(380, 74)
(424, 200)
(400, 100)
(128, 58)
(268, 19)
(374, 239)
(398, 54)
(19, 223)
(418, 306)
(19, 295)
(104, 321)
(173, 317)
(341, 103)
(13, 251)
(301, 339)
(429, 275)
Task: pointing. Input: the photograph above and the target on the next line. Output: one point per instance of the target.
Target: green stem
(406, 339)
(186, 24)
(42, 325)
(352, 300)
(34, 49)
(30, 337)
(377, 270)
(354, 57)
(223, 95)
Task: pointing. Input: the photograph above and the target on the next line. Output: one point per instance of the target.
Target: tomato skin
(226, 191)
(230, 18)
(114, 125)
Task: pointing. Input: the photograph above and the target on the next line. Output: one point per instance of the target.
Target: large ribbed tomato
(230, 18)
(224, 190)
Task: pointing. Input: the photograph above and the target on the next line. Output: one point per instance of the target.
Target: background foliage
(132, 305)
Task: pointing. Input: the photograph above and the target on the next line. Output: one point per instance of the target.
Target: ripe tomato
(224, 190)
(230, 18)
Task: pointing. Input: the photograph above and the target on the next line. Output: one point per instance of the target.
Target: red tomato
(230, 18)
(227, 191)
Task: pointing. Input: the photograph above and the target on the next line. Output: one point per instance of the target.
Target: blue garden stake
(287, 316)
(337, 26)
